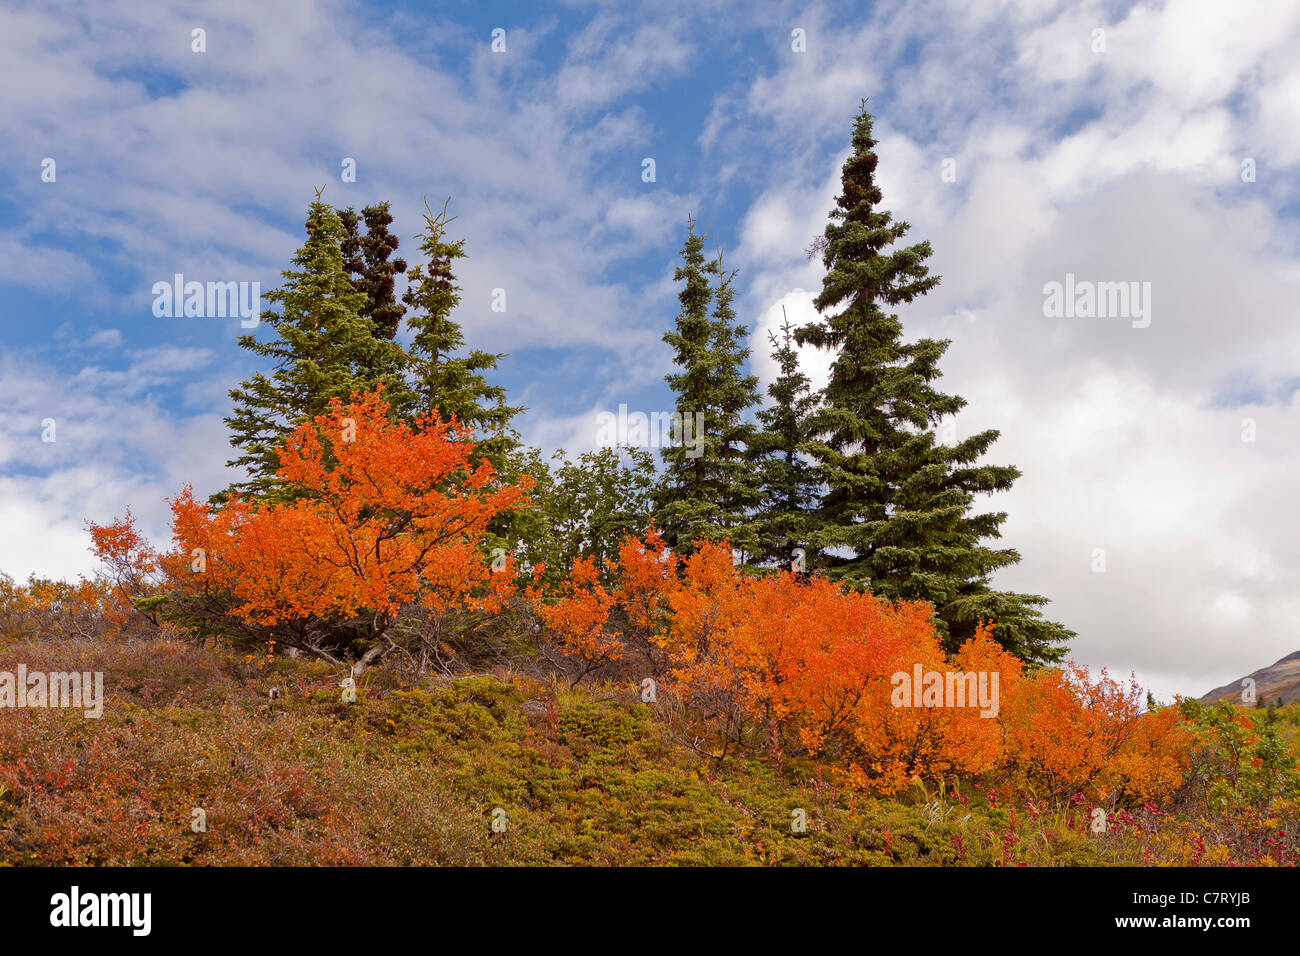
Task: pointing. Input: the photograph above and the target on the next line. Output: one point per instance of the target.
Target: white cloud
(610, 59)
(111, 448)
(105, 339)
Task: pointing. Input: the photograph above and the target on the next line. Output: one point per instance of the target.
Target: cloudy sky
(1026, 139)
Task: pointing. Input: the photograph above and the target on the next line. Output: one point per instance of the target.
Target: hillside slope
(205, 757)
(416, 775)
(1277, 680)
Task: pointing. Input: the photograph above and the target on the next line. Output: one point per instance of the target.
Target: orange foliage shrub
(87, 609)
(381, 517)
(1068, 733)
(130, 560)
(812, 667)
(579, 618)
(714, 655)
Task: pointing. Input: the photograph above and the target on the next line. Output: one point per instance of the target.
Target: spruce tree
(685, 509)
(778, 454)
(443, 379)
(369, 262)
(896, 515)
(736, 392)
(707, 489)
(322, 348)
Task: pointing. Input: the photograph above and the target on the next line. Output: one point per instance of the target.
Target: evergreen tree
(778, 453)
(736, 391)
(685, 509)
(707, 489)
(322, 348)
(896, 513)
(442, 378)
(368, 260)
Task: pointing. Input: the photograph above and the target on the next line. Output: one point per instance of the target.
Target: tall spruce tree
(368, 259)
(442, 377)
(778, 453)
(685, 507)
(707, 488)
(896, 513)
(322, 348)
(737, 392)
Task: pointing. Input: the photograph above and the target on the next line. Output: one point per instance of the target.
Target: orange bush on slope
(87, 608)
(384, 516)
(1068, 732)
(818, 666)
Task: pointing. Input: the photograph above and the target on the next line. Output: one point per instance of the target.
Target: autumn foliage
(89, 608)
(378, 524)
(786, 666)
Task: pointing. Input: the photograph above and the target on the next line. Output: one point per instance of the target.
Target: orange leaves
(86, 608)
(706, 609)
(752, 654)
(120, 545)
(578, 619)
(715, 660)
(388, 515)
(834, 651)
(379, 516)
(645, 573)
(1069, 732)
(975, 742)
(836, 658)
(820, 667)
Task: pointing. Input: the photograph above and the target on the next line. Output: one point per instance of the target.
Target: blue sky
(1122, 162)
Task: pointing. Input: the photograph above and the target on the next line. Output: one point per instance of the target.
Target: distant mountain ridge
(1277, 680)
